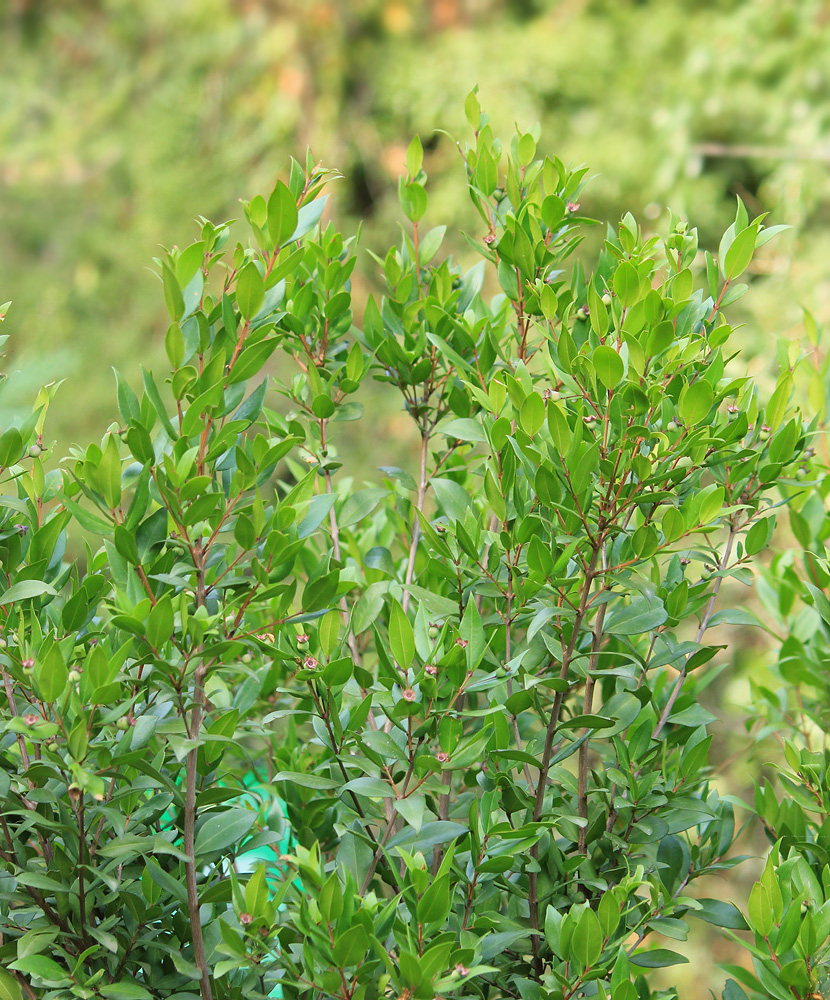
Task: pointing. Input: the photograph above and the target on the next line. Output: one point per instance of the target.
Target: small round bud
(122, 724)
(247, 658)
(3, 642)
(801, 474)
(583, 313)
(74, 676)
(35, 451)
(52, 746)
(434, 631)
(606, 299)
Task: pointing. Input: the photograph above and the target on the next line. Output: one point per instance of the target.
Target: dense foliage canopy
(279, 732)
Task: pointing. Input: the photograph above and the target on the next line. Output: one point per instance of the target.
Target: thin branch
(704, 624)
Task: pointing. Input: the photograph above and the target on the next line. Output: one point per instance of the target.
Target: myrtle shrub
(270, 732)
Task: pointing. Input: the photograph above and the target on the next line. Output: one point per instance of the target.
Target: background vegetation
(120, 123)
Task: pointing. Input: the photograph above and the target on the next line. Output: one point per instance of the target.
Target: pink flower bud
(310, 663)
(462, 643)
(409, 694)
(30, 718)
(245, 918)
(442, 758)
(431, 669)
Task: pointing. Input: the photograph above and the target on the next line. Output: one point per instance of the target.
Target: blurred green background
(121, 122)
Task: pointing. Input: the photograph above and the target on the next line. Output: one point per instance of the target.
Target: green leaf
(414, 156)
(223, 830)
(673, 524)
(172, 293)
(250, 290)
(532, 414)
(434, 905)
(160, 623)
(25, 590)
(9, 986)
(454, 499)
(124, 991)
(283, 216)
(608, 366)
(42, 967)
(52, 675)
(720, 913)
(657, 958)
(328, 630)
(695, 401)
(306, 780)
(740, 253)
(109, 474)
(587, 939)
(464, 429)
(642, 615)
(472, 630)
(11, 447)
(360, 505)
(627, 283)
(401, 635)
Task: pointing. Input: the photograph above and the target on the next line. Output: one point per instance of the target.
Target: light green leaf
(608, 366)
(642, 615)
(223, 830)
(401, 635)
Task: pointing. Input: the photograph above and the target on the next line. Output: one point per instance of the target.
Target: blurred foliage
(121, 122)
